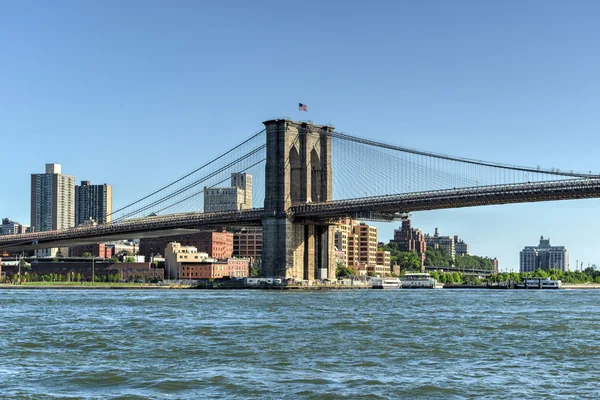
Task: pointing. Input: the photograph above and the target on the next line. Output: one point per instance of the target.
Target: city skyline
(513, 83)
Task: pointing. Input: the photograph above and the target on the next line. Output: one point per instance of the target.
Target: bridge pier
(298, 171)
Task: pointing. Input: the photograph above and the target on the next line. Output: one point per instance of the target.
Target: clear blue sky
(105, 87)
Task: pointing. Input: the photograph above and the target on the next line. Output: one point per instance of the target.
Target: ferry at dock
(385, 283)
(539, 283)
(417, 280)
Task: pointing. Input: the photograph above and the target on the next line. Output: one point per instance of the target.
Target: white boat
(417, 280)
(385, 283)
(539, 283)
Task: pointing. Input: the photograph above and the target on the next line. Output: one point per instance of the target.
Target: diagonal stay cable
(209, 187)
(191, 173)
(193, 184)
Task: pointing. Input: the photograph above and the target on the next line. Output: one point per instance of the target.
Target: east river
(189, 344)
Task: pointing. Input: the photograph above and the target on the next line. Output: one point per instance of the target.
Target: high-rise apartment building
(52, 200)
(544, 256)
(236, 197)
(410, 239)
(93, 202)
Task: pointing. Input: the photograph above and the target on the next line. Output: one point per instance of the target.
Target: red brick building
(234, 267)
(96, 250)
(217, 244)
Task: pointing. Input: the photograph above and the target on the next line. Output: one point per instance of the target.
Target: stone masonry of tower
(298, 170)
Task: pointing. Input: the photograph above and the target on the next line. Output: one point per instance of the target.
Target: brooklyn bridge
(306, 178)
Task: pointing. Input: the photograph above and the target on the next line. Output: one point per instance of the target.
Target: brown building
(410, 239)
(96, 250)
(367, 243)
(217, 244)
(248, 243)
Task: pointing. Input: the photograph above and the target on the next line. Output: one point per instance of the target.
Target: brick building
(96, 250)
(410, 239)
(248, 243)
(217, 244)
(233, 267)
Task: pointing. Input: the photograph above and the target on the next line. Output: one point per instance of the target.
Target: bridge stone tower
(298, 171)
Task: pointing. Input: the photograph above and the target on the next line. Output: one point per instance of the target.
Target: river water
(189, 344)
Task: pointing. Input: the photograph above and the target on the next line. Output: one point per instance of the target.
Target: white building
(544, 256)
(236, 197)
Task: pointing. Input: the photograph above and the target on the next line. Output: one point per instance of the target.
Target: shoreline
(585, 286)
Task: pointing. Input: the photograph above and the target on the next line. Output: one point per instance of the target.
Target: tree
(87, 255)
(409, 261)
(129, 259)
(254, 270)
(342, 271)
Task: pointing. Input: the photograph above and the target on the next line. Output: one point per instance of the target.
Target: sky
(136, 93)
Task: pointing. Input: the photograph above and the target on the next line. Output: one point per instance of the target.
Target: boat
(417, 280)
(539, 283)
(385, 283)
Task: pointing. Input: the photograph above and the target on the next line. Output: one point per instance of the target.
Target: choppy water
(133, 344)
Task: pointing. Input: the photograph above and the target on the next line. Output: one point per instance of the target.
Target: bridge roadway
(386, 207)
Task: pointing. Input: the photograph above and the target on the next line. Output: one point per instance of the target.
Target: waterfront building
(93, 203)
(216, 269)
(445, 243)
(358, 242)
(367, 243)
(248, 243)
(236, 197)
(52, 200)
(217, 245)
(346, 241)
(186, 262)
(176, 255)
(544, 257)
(410, 239)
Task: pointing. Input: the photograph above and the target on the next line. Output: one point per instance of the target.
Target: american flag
(302, 107)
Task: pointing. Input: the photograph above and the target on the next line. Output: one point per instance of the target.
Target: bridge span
(382, 208)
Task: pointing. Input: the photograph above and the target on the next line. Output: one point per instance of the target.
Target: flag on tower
(302, 107)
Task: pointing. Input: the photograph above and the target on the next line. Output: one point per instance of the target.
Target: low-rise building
(178, 256)
(136, 271)
(95, 250)
(217, 245)
(216, 269)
